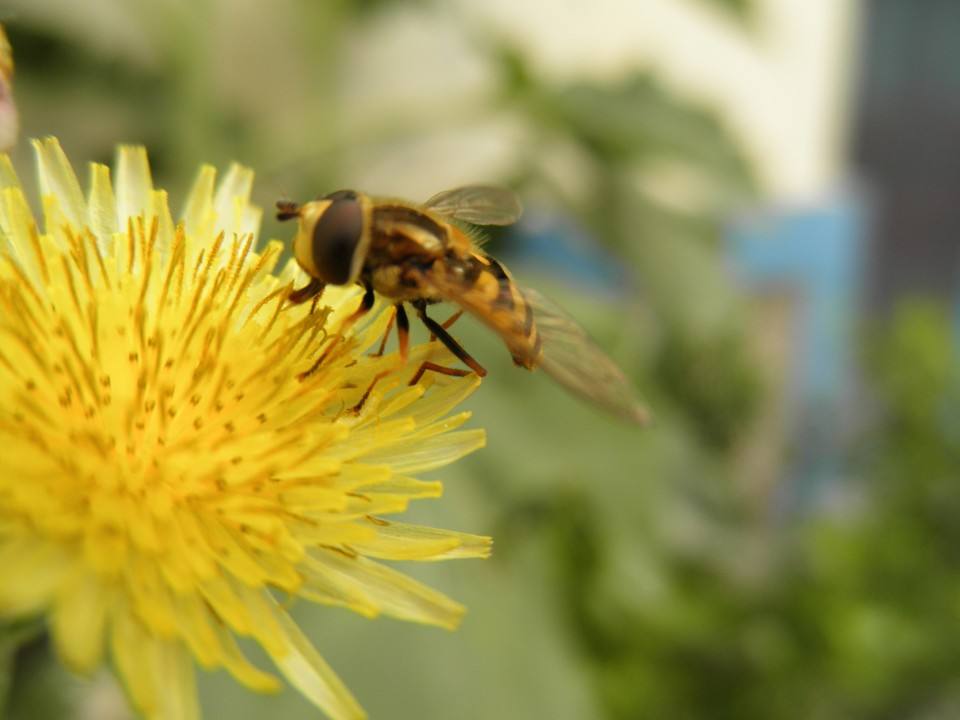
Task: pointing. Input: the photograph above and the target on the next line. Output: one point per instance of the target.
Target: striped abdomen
(484, 288)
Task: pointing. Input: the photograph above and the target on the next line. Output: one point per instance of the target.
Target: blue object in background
(559, 247)
(817, 255)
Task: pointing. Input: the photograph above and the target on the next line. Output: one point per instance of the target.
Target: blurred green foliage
(631, 578)
(851, 614)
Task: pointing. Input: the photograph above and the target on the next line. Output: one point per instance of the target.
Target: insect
(418, 254)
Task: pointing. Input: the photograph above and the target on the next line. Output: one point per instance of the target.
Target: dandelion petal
(198, 210)
(79, 621)
(178, 694)
(392, 592)
(102, 206)
(42, 563)
(400, 541)
(134, 183)
(58, 180)
(303, 667)
(8, 176)
(432, 453)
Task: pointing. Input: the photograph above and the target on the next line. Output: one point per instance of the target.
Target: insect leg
(365, 305)
(403, 336)
(452, 345)
(452, 319)
(427, 365)
(448, 323)
(308, 291)
(386, 334)
(403, 331)
(363, 398)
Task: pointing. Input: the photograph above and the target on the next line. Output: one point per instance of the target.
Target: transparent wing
(477, 204)
(565, 351)
(572, 359)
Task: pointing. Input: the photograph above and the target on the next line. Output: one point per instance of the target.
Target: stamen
(92, 241)
(281, 294)
(40, 256)
(131, 245)
(93, 328)
(71, 285)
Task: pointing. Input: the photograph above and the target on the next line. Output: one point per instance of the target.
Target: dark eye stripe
(335, 239)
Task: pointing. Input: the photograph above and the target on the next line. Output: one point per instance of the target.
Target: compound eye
(336, 238)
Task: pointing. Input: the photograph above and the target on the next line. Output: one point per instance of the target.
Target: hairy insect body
(418, 254)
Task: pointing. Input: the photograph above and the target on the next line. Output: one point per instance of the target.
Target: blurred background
(752, 204)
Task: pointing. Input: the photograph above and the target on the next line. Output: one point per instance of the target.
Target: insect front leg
(366, 304)
(403, 332)
(403, 338)
(399, 317)
(386, 334)
(308, 291)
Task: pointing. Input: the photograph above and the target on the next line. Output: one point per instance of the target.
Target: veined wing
(572, 359)
(477, 204)
(540, 334)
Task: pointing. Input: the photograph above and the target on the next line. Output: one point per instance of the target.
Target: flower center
(131, 414)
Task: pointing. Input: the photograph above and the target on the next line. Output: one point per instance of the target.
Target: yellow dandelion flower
(166, 482)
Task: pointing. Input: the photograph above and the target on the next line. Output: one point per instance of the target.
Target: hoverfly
(418, 254)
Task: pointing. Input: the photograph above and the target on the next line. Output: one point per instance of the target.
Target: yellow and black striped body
(486, 290)
(415, 255)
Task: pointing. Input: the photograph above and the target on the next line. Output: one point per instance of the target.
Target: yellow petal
(241, 668)
(150, 596)
(134, 183)
(57, 179)
(177, 683)
(17, 223)
(331, 532)
(245, 561)
(158, 673)
(79, 621)
(250, 220)
(101, 206)
(328, 588)
(265, 626)
(430, 454)
(227, 603)
(8, 176)
(231, 199)
(196, 627)
(132, 649)
(303, 667)
(198, 210)
(160, 210)
(408, 487)
(32, 572)
(399, 541)
(441, 400)
(402, 400)
(394, 593)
